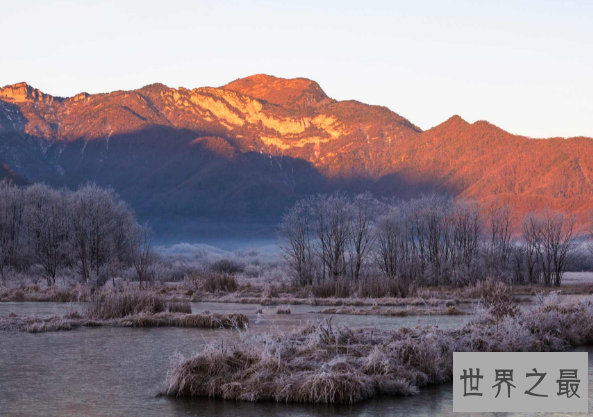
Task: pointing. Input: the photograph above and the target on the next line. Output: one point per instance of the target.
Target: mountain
(8, 175)
(227, 161)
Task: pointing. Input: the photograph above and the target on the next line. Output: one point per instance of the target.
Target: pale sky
(526, 66)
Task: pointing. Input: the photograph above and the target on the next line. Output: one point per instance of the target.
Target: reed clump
(36, 292)
(33, 324)
(283, 310)
(126, 309)
(36, 324)
(396, 312)
(179, 307)
(122, 304)
(219, 282)
(206, 321)
(324, 363)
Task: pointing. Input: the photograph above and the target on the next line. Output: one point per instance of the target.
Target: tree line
(431, 240)
(91, 230)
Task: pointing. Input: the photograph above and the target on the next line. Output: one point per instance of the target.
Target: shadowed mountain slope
(213, 160)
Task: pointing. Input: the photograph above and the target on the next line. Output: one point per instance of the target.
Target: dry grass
(37, 324)
(369, 288)
(283, 310)
(454, 311)
(117, 305)
(36, 292)
(179, 307)
(219, 282)
(164, 319)
(392, 312)
(205, 321)
(339, 302)
(126, 309)
(323, 363)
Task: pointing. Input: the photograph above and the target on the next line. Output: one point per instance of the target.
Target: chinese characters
(568, 382)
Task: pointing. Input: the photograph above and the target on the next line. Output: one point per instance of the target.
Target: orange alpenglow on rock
(278, 139)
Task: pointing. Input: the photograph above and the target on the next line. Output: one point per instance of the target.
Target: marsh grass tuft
(397, 312)
(126, 309)
(324, 363)
(164, 319)
(283, 310)
(219, 282)
(179, 307)
(122, 304)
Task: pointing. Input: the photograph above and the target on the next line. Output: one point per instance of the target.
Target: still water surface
(118, 371)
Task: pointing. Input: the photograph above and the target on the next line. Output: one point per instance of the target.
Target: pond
(118, 371)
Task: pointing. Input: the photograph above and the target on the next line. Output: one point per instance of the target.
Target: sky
(526, 66)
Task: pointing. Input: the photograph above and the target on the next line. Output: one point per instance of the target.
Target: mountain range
(227, 161)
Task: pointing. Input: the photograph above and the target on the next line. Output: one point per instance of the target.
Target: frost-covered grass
(179, 307)
(122, 304)
(133, 308)
(396, 312)
(283, 310)
(208, 286)
(36, 292)
(34, 324)
(323, 363)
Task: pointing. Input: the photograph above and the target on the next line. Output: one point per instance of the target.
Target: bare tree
(5, 238)
(47, 222)
(549, 242)
(463, 240)
(518, 257)
(14, 248)
(431, 240)
(80, 239)
(317, 211)
(50, 229)
(388, 242)
(362, 231)
(295, 242)
(123, 223)
(100, 223)
(499, 245)
(532, 232)
(396, 252)
(428, 215)
(141, 252)
(559, 235)
(332, 225)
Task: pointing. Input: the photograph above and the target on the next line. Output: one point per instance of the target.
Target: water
(301, 314)
(118, 371)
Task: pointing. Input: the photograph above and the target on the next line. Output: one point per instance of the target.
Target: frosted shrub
(214, 282)
(548, 301)
(499, 303)
(253, 271)
(227, 266)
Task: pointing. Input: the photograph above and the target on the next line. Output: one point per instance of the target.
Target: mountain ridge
(280, 139)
